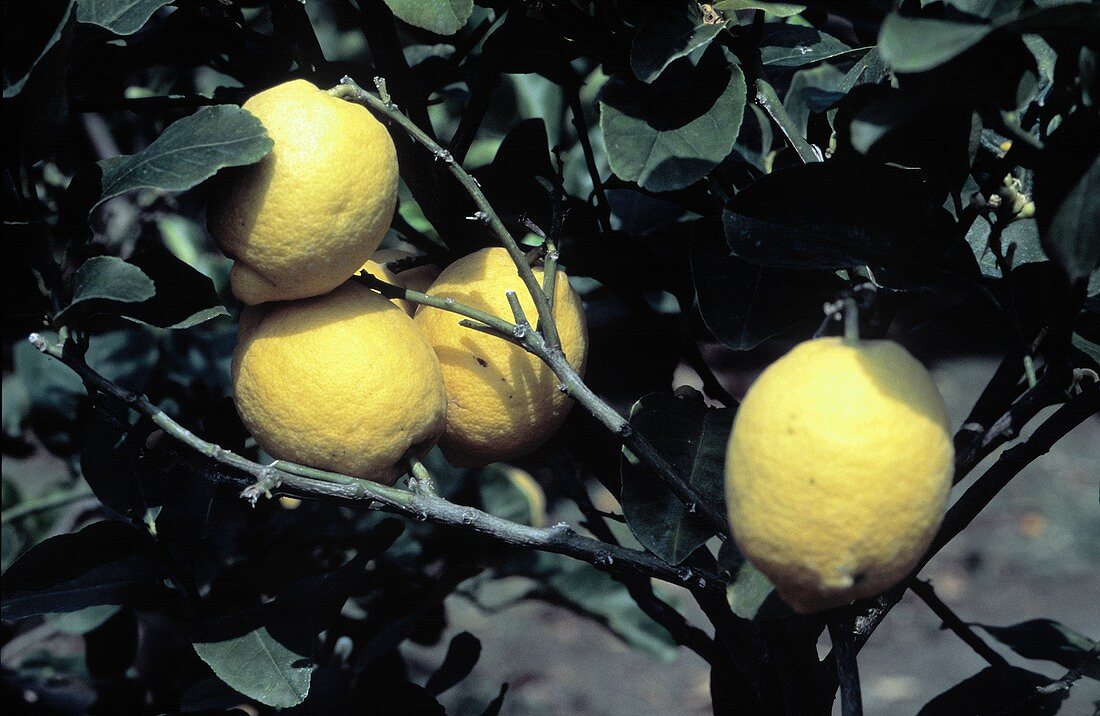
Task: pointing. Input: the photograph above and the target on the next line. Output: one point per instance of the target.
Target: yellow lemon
(838, 470)
(310, 213)
(343, 382)
(503, 402)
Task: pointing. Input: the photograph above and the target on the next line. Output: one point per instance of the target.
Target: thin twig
(263, 480)
(923, 589)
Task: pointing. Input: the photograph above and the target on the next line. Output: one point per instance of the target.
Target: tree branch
(923, 589)
(543, 342)
(351, 91)
(301, 481)
(842, 634)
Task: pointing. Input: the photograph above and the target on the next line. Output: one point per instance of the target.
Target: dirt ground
(1035, 552)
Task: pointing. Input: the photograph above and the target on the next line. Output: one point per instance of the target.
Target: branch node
(478, 216)
(383, 93)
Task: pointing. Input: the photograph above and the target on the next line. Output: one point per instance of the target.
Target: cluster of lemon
(840, 460)
(331, 374)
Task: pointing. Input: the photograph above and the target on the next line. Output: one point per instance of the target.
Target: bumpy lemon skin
(307, 216)
(343, 382)
(503, 402)
(838, 470)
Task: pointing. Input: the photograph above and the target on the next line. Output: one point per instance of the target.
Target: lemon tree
(342, 338)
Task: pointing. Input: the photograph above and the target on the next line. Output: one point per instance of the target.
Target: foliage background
(655, 100)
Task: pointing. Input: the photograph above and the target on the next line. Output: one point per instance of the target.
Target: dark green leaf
(184, 297)
(693, 438)
(908, 128)
(443, 17)
(1070, 230)
(259, 665)
(748, 591)
(502, 497)
(462, 655)
(188, 152)
(588, 591)
(104, 563)
(779, 9)
(122, 17)
(783, 45)
(670, 134)
(911, 44)
(266, 652)
(676, 30)
(996, 689)
(1020, 239)
(1048, 640)
(812, 91)
(110, 461)
(849, 213)
(745, 304)
(493, 708)
(112, 279)
(38, 40)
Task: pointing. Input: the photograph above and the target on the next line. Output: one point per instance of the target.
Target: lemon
(838, 470)
(343, 382)
(503, 402)
(307, 216)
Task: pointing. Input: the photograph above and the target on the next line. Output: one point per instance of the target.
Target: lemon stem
(420, 480)
(851, 321)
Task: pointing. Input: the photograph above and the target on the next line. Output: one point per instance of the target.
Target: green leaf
(508, 492)
(783, 45)
(184, 297)
(693, 438)
(779, 9)
(38, 41)
(589, 591)
(265, 652)
(462, 655)
(443, 17)
(122, 17)
(997, 689)
(1020, 237)
(910, 44)
(1048, 640)
(188, 152)
(1071, 232)
(674, 32)
(849, 213)
(748, 591)
(260, 666)
(111, 279)
(104, 563)
(670, 134)
(744, 304)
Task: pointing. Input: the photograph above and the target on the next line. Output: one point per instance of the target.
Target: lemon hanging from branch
(838, 470)
(305, 218)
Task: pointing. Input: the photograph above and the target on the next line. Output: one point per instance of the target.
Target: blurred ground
(1035, 552)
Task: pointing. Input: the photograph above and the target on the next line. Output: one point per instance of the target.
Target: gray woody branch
(543, 342)
(308, 482)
